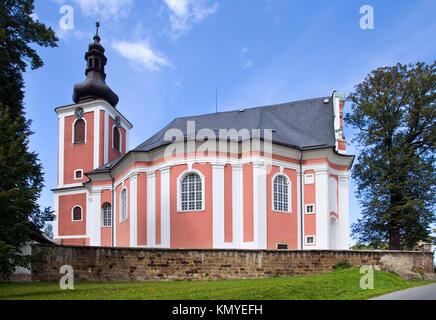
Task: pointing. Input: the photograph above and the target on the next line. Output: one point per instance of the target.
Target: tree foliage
(21, 177)
(394, 109)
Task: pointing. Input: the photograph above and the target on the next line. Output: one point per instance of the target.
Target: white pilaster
(61, 150)
(134, 210)
(300, 215)
(259, 206)
(165, 208)
(127, 139)
(151, 209)
(114, 217)
(218, 205)
(106, 136)
(93, 218)
(96, 138)
(56, 220)
(322, 208)
(344, 228)
(238, 205)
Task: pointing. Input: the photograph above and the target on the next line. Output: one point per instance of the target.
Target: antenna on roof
(216, 100)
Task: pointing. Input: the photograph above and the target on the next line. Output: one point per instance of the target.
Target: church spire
(95, 87)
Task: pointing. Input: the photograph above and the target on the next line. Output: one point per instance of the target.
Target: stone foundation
(121, 265)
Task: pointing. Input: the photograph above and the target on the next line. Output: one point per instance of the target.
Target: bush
(419, 271)
(345, 264)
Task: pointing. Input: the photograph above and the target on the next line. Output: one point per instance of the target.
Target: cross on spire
(97, 24)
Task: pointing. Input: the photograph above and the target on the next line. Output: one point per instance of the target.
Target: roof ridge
(254, 108)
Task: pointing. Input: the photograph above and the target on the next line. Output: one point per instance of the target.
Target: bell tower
(92, 133)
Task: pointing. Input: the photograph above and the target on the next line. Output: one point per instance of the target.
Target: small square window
(78, 174)
(310, 240)
(309, 179)
(310, 208)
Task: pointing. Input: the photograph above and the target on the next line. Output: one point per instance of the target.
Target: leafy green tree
(48, 230)
(394, 110)
(21, 177)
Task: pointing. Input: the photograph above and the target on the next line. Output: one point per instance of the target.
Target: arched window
(123, 205)
(79, 131)
(281, 194)
(117, 139)
(77, 214)
(191, 193)
(107, 215)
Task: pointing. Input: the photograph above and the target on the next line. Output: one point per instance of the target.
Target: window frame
(282, 244)
(81, 213)
(289, 193)
(308, 176)
(113, 139)
(306, 243)
(103, 213)
(124, 189)
(308, 205)
(74, 143)
(179, 191)
(78, 170)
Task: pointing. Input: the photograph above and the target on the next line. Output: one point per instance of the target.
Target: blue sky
(166, 57)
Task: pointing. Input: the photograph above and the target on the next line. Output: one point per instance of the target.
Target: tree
(21, 177)
(48, 230)
(394, 110)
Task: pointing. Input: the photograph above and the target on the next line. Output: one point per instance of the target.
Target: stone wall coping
(231, 250)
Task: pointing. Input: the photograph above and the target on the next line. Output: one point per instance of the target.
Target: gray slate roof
(298, 124)
(306, 124)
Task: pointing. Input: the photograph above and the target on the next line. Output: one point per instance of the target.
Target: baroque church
(273, 177)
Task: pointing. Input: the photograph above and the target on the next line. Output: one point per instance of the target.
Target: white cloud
(186, 13)
(141, 54)
(74, 34)
(34, 16)
(106, 9)
(248, 64)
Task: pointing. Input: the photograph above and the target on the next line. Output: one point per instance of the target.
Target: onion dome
(95, 87)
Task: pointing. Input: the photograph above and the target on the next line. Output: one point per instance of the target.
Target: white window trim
(75, 171)
(310, 244)
(102, 216)
(306, 206)
(121, 139)
(289, 193)
(72, 214)
(179, 190)
(309, 175)
(282, 243)
(127, 205)
(73, 131)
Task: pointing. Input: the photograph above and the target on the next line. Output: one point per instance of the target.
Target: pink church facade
(280, 180)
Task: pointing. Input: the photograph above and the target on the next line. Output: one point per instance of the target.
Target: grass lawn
(338, 285)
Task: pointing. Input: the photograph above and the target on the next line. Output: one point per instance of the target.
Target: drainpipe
(113, 210)
(301, 202)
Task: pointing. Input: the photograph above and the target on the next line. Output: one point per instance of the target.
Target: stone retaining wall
(118, 264)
